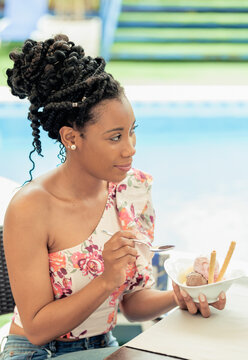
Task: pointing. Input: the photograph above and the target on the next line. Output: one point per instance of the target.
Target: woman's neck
(76, 184)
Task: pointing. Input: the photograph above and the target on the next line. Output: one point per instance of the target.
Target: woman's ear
(68, 136)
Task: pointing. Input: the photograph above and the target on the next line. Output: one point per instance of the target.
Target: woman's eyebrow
(117, 129)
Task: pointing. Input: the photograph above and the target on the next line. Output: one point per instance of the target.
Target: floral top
(128, 206)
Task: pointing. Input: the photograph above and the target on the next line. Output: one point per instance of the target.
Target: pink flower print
(61, 272)
(150, 232)
(83, 332)
(60, 290)
(132, 210)
(78, 259)
(115, 295)
(140, 176)
(90, 263)
(121, 187)
(111, 196)
(57, 261)
(67, 283)
(95, 264)
(112, 190)
(57, 290)
(130, 271)
(69, 335)
(112, 317)
(144, 210)
(138, 280)
(146, 279)
(92, 248)
(125, 218)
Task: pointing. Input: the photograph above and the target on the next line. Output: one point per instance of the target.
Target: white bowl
(176, 267)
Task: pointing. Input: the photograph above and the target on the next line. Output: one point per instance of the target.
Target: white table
(223, 336)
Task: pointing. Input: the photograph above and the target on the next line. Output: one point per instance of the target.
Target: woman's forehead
(112, 113)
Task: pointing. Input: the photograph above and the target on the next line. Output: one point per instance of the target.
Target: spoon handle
(135, 240)
(107, 232)
(162, 248)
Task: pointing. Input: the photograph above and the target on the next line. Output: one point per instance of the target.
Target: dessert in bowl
(198, 275)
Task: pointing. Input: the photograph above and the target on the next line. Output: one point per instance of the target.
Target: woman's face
(107, 147)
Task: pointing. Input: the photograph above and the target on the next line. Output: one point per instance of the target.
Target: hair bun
(39, 68)
(26, 70)
(60, 37)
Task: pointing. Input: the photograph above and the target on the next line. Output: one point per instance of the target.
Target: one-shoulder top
(129, 205)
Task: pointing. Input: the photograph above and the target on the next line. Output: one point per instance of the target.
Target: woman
(68, 277)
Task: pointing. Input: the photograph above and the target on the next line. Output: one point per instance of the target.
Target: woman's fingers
(124, 251)
(120, 239)
(178, 296)
(204, 306)
(118, 252)
(120, 243)
(120, 247)
(185, 301)
(126, 234)
(191, 306)
(221, 303)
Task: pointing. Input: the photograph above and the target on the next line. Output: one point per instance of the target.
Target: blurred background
(183, 64)
(201, 42)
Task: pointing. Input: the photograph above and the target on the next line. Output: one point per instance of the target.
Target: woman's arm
(25, 241)
(147, 304)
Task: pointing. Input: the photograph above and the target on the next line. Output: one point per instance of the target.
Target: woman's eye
(133, 129)
(116, 138)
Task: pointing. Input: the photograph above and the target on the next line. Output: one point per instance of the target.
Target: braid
(35, 124)
(62, 84)
(62, 154)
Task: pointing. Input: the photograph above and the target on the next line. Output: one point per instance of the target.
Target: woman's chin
(118, 178)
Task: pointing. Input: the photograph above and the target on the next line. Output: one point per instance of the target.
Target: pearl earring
(73, 147)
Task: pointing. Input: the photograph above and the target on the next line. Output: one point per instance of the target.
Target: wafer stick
(211, 267)
(226, 261)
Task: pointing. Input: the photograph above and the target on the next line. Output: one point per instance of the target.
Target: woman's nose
(129, 149)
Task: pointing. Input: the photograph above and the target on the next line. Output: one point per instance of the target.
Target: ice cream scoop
(201, 266)
(199, 275)
(195, 279)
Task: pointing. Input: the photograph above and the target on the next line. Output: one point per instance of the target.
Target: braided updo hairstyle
(62, 85)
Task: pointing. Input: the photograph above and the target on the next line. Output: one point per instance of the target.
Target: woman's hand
(118, 253)
(185, 302)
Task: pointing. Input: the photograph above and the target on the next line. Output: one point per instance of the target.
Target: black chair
(7, 303)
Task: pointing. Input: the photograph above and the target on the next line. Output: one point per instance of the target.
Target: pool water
(197, 153)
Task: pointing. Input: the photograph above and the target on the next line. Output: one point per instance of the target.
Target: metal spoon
(151, 248)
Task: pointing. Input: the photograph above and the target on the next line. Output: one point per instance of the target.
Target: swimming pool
(197, 153)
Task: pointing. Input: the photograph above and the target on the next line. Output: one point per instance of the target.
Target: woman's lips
(124, 167)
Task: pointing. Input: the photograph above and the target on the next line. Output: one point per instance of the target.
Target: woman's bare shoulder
(30, 200)
(32, 191)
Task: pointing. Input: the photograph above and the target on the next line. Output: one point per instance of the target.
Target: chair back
(7, 303)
